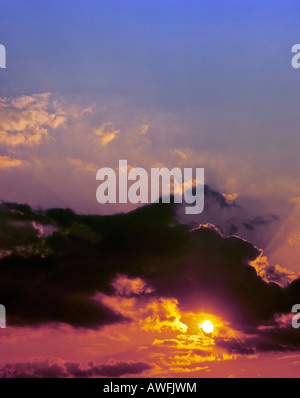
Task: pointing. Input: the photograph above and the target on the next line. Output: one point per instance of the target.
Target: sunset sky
(116, 290)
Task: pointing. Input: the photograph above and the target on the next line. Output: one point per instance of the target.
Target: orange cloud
(106, 136)
(25, 120)
(152, 314)
(230, 197)
(82, 165)
(180, 153)
(278, 274)
(125, 286)
(6, 161)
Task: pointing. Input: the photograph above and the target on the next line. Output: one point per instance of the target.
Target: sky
(174, 83)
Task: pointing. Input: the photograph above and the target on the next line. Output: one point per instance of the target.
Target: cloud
(50, 368)
(122, 368)
(273, 273)
(148, 313)
(144, 129)
(80, 164)
(106, 136)
(235, 215)
(236, 346)
(38, 369)
(230, 198)
(260, 220)
(7, 161)
(125, 286)
(21, 229)
(266, 339)
(141, 267)
(25, 120)
(181, 154)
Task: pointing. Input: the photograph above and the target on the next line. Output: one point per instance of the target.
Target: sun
(207, 327)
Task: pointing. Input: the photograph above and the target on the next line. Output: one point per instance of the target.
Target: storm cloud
(82, 256)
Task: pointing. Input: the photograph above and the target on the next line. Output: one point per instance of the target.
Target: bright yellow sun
(207, 327)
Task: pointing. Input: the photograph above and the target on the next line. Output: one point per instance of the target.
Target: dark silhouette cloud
(201, 268)
(52, 369)
(214, 273)
(261, 220)
(79, 259)
(267, 339)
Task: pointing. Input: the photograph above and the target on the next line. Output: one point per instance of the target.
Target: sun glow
(207, 326)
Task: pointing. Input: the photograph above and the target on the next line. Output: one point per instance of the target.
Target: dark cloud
(52, 369)
(21, 229)
(213, 197)
(38, 369)
(214, 273)
(201, 268)
(35, 290)
(265, 339)
(236, 217)
(261, 220)
(80, 259)
(235, 346)
(120, 369)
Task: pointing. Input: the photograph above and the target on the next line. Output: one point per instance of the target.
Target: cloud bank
(61, 267)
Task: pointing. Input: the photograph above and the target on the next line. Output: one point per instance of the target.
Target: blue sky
(168, 53)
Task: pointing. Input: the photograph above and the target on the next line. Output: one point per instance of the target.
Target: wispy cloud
(7, 161)
(106, 133)
(82, 165)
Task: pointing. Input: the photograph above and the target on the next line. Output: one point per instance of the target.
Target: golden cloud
(106, 135)
(26, 119)
(6, 161)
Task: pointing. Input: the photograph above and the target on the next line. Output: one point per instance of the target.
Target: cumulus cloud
(25, 120)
